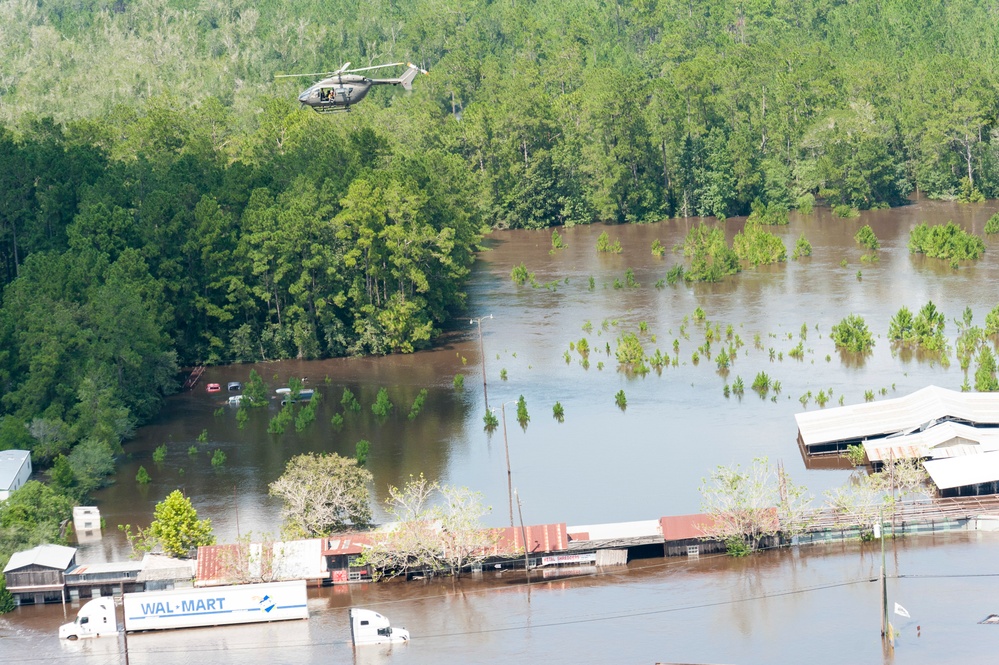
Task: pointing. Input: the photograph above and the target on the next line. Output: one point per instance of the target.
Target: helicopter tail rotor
(410, 74)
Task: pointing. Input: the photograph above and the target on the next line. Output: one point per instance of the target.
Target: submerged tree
(985, 375)
(746, 507)
(437, 529)
(323, 494)
(852, 334)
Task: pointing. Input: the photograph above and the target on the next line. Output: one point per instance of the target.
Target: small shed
(342, 553)
(38, 575)
(15, 470)
(86, 523)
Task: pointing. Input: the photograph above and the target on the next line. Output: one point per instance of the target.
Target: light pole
(482, 356)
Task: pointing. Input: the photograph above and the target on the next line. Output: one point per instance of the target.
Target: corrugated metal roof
(684, 527)
(944, 439)
(872, 419)
(541, 538)
(50, 556)
(11, 462)
(350, 543)
(99, 568)
(618, 530)
(962, 471)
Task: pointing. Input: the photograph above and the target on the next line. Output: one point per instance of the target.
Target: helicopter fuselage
(340, 92)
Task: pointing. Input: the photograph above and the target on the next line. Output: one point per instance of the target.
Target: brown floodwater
(603, 463)
(819, 604)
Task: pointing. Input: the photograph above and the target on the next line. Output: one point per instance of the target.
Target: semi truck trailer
(192, 608)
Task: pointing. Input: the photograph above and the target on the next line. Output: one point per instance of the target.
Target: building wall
(34, 576)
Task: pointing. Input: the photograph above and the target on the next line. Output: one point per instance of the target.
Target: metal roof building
(15, 469)
(830, 431)
(946, 439)
(36, 575)
(45, 556)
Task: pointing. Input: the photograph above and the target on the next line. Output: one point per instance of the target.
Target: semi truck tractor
(192, 608)
(369, 627)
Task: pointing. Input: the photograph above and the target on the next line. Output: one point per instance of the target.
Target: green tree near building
(176, 529)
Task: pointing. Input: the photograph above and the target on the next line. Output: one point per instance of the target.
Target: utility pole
(124, 630)
(235, 505)
(482, 356)
(523, 532)
(509, 473)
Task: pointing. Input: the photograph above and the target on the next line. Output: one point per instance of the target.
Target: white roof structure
(296, 560)
(640, 529)
(947, 439)
(11, 462)
(919, 410)
(163, 567)
(277, 561)
(49, 556)
(963, 471)
(109, 567)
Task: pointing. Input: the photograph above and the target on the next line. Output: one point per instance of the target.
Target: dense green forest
(165, 202)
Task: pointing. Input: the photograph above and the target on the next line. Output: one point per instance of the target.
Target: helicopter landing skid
(331, 109)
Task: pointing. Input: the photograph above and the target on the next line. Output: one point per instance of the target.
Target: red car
(213, 387)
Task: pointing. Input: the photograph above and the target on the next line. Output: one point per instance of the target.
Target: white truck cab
(96, 618)
(368, 627)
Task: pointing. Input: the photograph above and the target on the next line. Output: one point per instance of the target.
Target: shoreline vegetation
(165, 203)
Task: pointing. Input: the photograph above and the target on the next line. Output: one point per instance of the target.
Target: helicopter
(339, 90)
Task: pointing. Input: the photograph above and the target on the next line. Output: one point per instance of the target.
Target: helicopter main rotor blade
(364, 69)
(288, 76)
(342, 69)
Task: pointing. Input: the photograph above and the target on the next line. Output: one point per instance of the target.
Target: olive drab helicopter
(340, 90)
